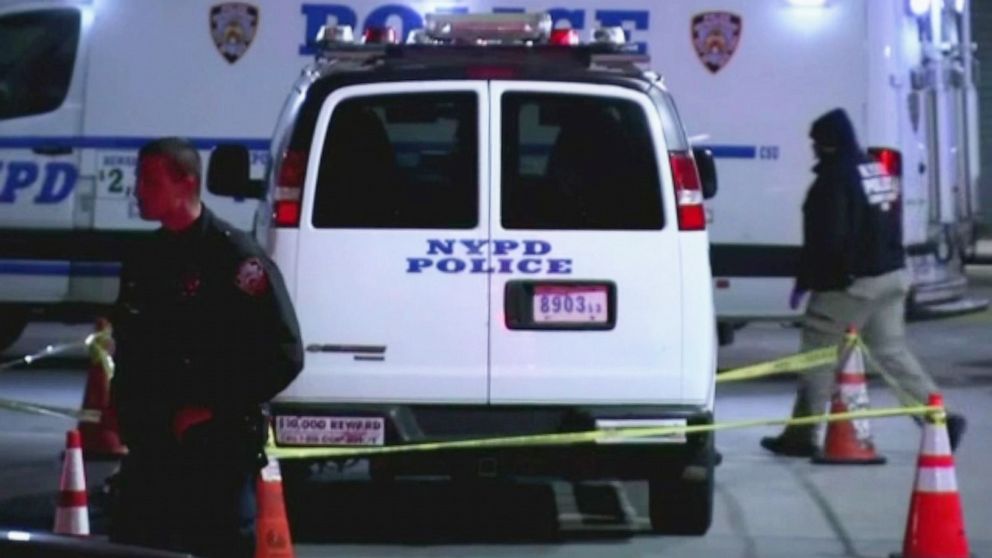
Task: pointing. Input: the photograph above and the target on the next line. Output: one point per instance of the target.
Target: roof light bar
(488, 28)
(379, 36)
(564, 37)
(335, 35)
(609, 36)
(419, 37)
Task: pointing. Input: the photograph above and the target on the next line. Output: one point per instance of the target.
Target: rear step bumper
(938, 292)
(421, 424)
(962, 306)
(943, 299)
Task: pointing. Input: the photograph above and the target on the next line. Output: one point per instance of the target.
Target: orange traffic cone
(849, 442)
(935, 527)
(71, 513)
(272, 530)
(100, 439)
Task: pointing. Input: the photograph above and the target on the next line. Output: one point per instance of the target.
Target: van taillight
(890, 159)
(688, 192)
(289, 189)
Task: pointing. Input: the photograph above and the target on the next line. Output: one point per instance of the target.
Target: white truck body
(138, 70)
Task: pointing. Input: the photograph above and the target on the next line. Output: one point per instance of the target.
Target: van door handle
(52, 150)
(353, 349)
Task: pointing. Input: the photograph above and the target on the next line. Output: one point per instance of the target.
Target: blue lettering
(20, 175)
(479, 266)
(509, 10)
(120, 160)
(529, 266)
(576, 19)
(409, 18)
(451, 265)
(319, 15)
(437, 247)
(536, 247)
(474, 246)
(621, 18)
(416, 265)
(559, 266)
(441, 255)
(55, 190)
(504, 247)
(451, 10)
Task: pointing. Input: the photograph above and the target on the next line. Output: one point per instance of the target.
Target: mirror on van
(228, 173)
(707, 171)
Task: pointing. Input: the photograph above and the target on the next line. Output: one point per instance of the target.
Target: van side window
(573, 162)
(400, 161)
(36, 60)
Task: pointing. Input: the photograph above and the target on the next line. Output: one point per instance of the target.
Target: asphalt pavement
(765, 505)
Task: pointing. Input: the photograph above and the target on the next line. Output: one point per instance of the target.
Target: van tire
(12, 325)
(682, 506)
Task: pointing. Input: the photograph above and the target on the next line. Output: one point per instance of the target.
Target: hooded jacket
(852, 216)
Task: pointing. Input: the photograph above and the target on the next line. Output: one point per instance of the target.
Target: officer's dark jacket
(203, 319)
(844, 236)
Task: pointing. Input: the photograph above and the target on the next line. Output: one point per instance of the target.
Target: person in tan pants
(854, 264)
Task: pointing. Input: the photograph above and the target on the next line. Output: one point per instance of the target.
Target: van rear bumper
(423, 424)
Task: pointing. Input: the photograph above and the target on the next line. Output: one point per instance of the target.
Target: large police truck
(83, 83)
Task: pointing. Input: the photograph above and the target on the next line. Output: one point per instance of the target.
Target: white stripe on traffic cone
(72, 515)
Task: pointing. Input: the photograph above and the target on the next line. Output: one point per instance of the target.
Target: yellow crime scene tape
(50, 411)
(793, 363)
(47, 352)
(96, 344)
(590, 436)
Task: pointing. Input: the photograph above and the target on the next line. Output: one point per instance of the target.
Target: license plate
(565, 304)
(330, 431)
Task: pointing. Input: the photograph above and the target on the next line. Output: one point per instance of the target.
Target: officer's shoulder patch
(251, 277)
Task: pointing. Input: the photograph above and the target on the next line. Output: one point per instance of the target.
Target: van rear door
(390, 289)
(41, 95)
(586, 298)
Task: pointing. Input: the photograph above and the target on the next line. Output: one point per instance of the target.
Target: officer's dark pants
(201, 505)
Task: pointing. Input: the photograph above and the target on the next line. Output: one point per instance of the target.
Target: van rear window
(400, 161)
(574, 162)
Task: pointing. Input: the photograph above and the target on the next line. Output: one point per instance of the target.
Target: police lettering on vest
(469, 255)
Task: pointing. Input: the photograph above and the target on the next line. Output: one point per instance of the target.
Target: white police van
(494, 231)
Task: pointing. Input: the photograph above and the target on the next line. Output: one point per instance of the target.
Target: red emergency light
(383, 35)
(564, 37)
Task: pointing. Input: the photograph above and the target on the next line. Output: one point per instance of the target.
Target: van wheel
(12, 325)
(682, 504)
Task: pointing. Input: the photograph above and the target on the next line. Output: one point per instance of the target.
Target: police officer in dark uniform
(205, 335)
(853, 262)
